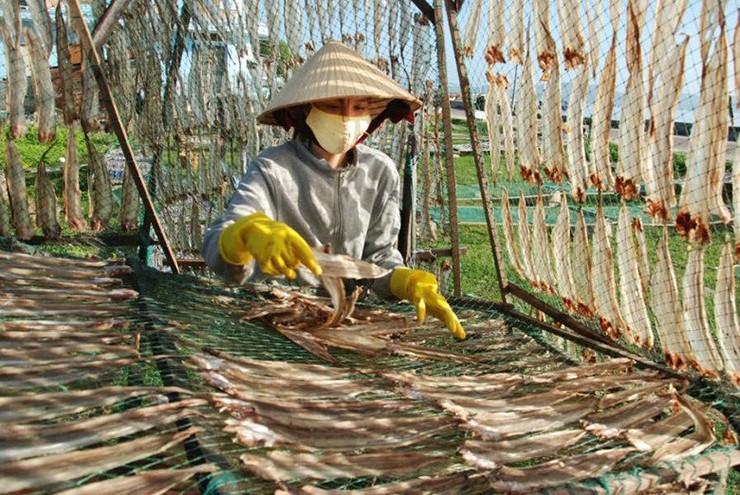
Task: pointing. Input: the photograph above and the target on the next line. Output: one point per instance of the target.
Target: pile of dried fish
(405, 428)
(66, 416)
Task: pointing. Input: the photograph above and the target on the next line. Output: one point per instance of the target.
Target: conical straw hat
(337, 71)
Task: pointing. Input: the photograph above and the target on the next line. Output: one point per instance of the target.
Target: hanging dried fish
(42, 85)
(495, 50)
(526, 124)
(518, 46)
(17, 193)
(509, 235)
(546, 53)
(5, 217)
(578, 166)
(501, 91)
(15, 67)
(379, 8)
(659, 182)
(90, 106)
(560, 245)
(128, 215)
(541, 257)
(101, 200)
(574, 45)
(634, 311)
(553, 154)
(698, 334)
(46, 204)
(665, 304)
(705, 160)
(293, 14)
(595, 20)
(72, 195)
(632, 116)
(601, 122)
(712, 15)
(472, 28)
(604, 283)
(725, 314)
(581, 268)
(643, 261)
(525, 239)
(493, 118)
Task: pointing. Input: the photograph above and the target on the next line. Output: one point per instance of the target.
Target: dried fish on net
(725, 311)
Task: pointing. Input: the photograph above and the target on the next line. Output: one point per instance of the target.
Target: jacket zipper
(338, 208)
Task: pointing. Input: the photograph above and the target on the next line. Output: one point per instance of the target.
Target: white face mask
(336, 133)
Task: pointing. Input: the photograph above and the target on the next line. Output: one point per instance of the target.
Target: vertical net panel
(609, 133)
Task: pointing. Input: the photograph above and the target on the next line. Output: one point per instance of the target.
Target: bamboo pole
(120, 131)
(449, 158)
(475, 141)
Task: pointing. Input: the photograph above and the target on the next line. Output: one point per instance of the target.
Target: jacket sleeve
(382, 236)
(253, 194)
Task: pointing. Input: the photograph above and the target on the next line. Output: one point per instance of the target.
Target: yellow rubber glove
(277, 248)
(421, 289)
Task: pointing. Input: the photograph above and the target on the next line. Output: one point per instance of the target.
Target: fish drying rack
(118, 378)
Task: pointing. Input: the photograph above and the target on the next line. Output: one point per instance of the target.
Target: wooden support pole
(475, 141)
(120, 131)
(449, 158)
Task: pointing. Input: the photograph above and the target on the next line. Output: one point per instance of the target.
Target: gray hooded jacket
(354, 210)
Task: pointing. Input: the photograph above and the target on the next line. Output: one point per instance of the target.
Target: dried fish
(379, 9)
(525, 239)
(601, 121)
(472, 28)
(708, 360)
(517, 48)
(553, 153)
(574, 45)
(632, 117)
(578, 167)
(495, 51)
(45, 406)
(561, 249)
(69, 108)
(665, 304)
(447, 485)
(63, 353)
(25, 441)
(46, 204)
(17, 193)
(153, 482)
(15, 68)
(508, 424)
(285, 466)
(130, 202)
(101, 203)
(509, 235)
(526, 125)
(595, 22)
(701, 439)
(725, 314)
(28, 377)
(72, 194)
(541, 255)
(487, 455)
(38, 52)
(656, 434)
(665, 82)
(633, 307)
(604, 283)
(39, 472)
(90, 106)
(546, 53)
(581, 268)
(350, 435)
(613, 422)
(705, 160)
(557, 471)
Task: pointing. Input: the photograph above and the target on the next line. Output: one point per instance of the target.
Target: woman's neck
(335, 161)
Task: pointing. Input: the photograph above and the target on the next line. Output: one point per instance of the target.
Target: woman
(324, 188)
